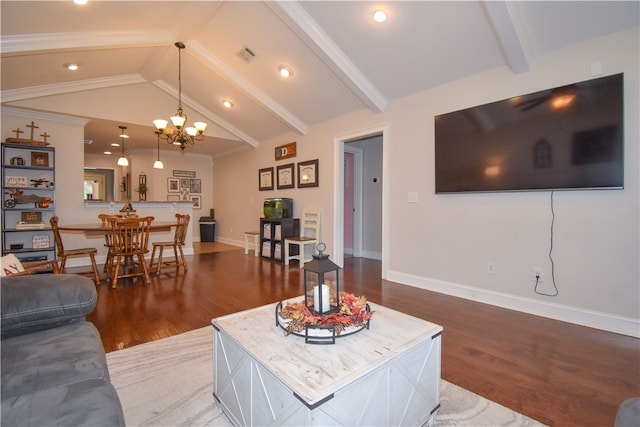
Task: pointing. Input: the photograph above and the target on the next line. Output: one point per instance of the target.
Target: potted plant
(142, 192)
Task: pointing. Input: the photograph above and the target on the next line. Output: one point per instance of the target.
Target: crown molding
(12, 95)
(59, 41)
(34, 114)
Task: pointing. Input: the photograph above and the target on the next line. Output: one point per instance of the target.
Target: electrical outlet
(491, 268)
(538, 274)
(412, 197)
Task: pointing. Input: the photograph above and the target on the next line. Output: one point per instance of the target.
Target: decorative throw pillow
(10, 265)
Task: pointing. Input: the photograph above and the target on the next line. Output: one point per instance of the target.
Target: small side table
(255, 235)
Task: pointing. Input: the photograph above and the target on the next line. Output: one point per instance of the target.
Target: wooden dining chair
(130, 239)
(182, 224)
(63, 253)
(108, 242)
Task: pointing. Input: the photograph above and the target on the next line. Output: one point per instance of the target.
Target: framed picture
(173, 198)
(286, 176)
(185, 183)
(197, 201)
(173, 185)
(265, 179)
(39, 158)
(308, 174)
(184, 174)
(31, 217)
(184, 195)
(195, 186)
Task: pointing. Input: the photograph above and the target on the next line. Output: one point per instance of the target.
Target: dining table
(101, 228)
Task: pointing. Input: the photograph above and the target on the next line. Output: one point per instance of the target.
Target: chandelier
(177, 134)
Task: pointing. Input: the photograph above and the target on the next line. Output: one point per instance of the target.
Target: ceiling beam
(511, 32)
(313, 36)
(212, 62)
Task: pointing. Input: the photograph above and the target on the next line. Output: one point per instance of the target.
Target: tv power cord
(553, 274)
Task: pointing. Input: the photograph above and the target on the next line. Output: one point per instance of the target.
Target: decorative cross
(33, 127)
(18, 132)
(45, 136)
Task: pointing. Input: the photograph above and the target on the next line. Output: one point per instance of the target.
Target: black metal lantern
(321, 284)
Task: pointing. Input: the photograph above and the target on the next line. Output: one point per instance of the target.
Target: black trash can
(207, 229)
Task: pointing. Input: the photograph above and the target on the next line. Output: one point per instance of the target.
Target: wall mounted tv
(565, 138)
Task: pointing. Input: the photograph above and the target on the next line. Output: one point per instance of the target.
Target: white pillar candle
(325, 299)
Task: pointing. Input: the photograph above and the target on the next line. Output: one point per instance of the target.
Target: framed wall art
(308, 174)
(286, 176)
(173, 185)
(265, 179)
(195, 186)
(197, 201)
(40, 159)
(173, 197)
(185, 183)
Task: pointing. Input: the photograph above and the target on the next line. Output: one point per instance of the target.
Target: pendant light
(122, 161)
(158, 163)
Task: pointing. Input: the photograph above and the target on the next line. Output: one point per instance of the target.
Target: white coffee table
(386, 375)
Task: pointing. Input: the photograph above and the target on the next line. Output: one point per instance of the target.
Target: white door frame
(338, 192)
(357, 195)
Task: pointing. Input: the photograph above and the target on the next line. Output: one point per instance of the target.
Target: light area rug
(169, 383)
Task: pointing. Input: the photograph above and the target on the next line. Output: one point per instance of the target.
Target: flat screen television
(565, 138)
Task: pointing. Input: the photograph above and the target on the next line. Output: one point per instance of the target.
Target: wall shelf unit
(28, 201)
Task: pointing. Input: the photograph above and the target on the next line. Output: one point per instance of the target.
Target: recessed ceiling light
(379, 15)
(80, 2)
(115, 144)
(285, 71)
(227, 103)
(71, 66)
(107, 152)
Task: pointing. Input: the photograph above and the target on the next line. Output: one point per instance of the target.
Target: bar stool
(255, 235)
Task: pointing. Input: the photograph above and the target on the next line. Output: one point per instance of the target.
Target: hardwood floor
(557, 373)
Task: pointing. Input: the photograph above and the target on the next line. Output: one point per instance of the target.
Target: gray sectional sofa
(54, 370)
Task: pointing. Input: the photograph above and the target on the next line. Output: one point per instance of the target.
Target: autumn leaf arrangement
(353, 312)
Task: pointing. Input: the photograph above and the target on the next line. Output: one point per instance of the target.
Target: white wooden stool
(255, 235)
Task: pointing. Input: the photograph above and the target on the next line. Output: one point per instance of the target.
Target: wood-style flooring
(557, 373)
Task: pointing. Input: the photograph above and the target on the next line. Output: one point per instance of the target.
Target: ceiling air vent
(246, 54)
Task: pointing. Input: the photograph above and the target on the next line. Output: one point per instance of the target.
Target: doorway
(369, 212)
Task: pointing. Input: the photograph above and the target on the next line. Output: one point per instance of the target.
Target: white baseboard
(232, 242)
(580, 316)
(372, 255)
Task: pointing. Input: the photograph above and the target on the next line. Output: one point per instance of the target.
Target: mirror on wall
(98, 184)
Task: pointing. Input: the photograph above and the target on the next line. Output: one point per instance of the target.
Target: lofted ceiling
(342, 60)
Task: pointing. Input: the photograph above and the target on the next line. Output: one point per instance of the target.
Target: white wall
(444, 242)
